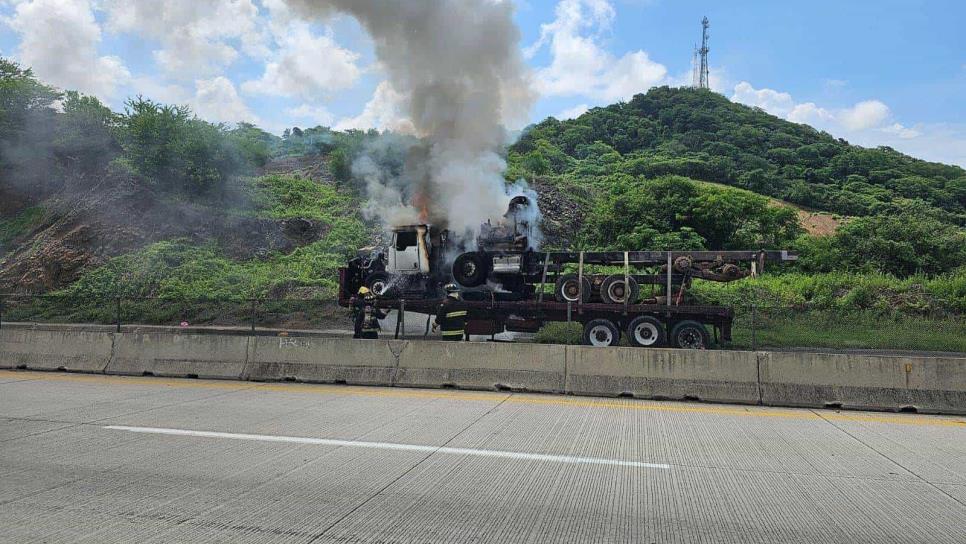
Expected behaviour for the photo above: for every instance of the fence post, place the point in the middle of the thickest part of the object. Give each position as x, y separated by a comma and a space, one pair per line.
254, 302
117, 314
754, 327
1, 311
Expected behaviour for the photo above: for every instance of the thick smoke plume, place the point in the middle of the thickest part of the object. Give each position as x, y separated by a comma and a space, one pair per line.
457, 66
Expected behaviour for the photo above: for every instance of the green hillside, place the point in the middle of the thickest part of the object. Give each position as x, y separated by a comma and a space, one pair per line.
906, 216
702, 135
154, 202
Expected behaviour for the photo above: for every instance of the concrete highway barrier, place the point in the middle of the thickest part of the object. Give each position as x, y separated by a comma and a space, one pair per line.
718, 376
501, 366
879, 382
925, 384
59, 349
325, 360
178, 355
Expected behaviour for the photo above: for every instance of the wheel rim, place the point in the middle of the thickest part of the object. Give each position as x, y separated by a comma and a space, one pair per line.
690, 338
379, 287
570, 291
646, 334
601, 335
616, 291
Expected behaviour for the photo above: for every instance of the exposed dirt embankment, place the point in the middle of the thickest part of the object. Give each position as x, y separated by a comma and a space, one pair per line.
82, 229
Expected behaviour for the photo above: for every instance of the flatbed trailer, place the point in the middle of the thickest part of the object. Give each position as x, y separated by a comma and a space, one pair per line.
645, 325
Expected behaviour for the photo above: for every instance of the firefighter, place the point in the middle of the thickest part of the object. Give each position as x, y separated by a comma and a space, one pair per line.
366, 315
451, 315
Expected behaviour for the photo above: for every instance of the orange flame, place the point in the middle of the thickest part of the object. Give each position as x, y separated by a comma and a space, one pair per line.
421, 202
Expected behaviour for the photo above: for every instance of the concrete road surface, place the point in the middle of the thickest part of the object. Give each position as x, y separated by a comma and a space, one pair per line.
112, 459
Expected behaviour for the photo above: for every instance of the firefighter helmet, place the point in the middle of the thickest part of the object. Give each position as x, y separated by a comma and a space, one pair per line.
452, 290
364, 290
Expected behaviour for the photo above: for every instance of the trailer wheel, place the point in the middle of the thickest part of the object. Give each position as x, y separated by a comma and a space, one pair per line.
690, 335
567, 289
381, 284
646, 332
470, 270
613, 290
601, 333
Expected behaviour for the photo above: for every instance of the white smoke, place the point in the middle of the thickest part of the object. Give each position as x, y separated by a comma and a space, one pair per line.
457, 67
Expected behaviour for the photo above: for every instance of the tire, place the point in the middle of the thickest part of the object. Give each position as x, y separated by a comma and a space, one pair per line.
613, 289
382, 284
690, 335
646, 332
601, 333
470, 270
567, 289
683, 264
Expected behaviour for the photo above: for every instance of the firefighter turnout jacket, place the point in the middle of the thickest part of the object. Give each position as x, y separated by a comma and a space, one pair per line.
451, 318
366, 318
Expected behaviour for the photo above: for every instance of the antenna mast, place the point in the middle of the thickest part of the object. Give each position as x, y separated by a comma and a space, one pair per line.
695, 69
704, 75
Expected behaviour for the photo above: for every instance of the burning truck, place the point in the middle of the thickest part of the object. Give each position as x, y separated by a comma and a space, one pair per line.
505, 265
503, 278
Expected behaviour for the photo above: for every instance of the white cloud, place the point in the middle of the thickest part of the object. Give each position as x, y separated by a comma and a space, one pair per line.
580, 66
869, 123
306, 66
835, 84
384, 111
195, 36
863, 116
903, 132
60, 39
316, 115
216, 100
774, 102
574, 112
867, 114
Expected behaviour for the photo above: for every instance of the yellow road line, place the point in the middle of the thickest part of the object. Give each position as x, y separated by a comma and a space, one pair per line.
530, 399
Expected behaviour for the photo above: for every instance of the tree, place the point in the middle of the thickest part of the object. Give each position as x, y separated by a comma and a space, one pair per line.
87, 130
21, 96
176, 150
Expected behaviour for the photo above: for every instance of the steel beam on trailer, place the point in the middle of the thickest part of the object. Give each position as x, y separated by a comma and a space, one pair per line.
627, 282
659, 257
543, 280
669, 271
580, 284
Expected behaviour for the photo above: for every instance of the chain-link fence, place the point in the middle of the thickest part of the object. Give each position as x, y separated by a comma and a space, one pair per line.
755, 326
763, 327
311, 314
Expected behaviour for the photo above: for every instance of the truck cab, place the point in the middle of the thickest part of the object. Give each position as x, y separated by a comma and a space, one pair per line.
409, 250
410, 265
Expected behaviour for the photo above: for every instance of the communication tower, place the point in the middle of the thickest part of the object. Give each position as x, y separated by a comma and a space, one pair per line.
700, 78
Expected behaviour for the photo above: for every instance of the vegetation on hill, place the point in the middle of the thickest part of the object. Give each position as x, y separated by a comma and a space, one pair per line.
646, 160
672, 168
702, 135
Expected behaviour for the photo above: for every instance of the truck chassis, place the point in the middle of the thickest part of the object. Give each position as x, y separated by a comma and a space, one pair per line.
604, 324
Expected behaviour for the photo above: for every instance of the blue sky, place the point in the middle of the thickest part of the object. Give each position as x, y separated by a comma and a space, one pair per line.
874, 72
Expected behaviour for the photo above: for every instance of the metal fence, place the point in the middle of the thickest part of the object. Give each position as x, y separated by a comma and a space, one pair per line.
756, 326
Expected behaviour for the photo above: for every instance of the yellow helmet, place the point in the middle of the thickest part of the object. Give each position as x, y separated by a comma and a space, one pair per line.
364, 290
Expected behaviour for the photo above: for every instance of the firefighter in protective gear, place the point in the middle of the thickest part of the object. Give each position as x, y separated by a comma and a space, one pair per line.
365, 315
451, 315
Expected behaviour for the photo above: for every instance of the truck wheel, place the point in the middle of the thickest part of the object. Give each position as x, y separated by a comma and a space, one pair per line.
381, 284
470, 270
567, 289
690, 335
601, 333
613, 290
646, 332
